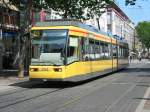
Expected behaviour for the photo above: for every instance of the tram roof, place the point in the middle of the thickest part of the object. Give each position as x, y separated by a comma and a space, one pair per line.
75, 23
72, 23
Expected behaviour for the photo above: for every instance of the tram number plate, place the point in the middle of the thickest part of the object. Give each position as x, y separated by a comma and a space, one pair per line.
44, 69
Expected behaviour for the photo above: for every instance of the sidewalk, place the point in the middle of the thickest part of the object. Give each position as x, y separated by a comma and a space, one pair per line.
144, 105
142, 61
9, 77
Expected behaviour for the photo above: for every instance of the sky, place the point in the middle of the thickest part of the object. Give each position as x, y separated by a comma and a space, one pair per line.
138, 12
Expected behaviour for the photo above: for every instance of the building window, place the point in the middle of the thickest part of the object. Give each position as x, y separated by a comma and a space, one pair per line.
109, 22
109, 27
109, 18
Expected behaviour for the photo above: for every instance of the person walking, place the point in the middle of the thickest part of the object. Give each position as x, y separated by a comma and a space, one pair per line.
139, 57
130, 58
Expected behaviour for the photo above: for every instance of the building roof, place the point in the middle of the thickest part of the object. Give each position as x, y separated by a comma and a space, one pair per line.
119, 10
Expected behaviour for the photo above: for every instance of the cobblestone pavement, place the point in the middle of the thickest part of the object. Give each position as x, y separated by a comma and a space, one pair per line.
7, 78
144, 105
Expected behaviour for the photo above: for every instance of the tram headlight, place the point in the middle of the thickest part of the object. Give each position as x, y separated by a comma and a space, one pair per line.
33, 69
57, 69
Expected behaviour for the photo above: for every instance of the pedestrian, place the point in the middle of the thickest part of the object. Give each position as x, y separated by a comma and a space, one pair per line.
139, 57
130, 58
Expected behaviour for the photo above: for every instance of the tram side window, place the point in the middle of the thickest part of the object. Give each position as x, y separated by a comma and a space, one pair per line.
119, 51
114, 51
85, 49
97, 50
122, 52
106, 49
92, 49
109, 51
72, 50
123, 49
125, 52
103, 50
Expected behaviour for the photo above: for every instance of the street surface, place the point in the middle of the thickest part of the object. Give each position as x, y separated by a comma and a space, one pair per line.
124, 91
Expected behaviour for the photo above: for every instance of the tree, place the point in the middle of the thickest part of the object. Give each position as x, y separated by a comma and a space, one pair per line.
72, 9
78, 9
130, 2
143, 33
24, 7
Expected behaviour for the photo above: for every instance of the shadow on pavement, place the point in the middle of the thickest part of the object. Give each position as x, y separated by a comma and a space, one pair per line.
54, 84
129, 70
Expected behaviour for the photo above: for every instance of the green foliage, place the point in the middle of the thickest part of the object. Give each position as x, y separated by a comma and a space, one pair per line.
130, 2
74, 9
66, 8
15, 2
143, 32
35, 3
78, 9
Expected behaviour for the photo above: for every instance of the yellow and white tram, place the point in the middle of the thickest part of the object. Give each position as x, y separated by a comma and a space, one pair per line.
73, 51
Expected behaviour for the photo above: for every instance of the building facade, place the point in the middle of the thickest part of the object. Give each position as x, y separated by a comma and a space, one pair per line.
121, 25
9, 27
114, 21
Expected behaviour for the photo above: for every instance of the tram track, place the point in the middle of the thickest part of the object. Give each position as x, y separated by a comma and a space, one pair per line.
17, 90
30, 98
25, 86
35, 89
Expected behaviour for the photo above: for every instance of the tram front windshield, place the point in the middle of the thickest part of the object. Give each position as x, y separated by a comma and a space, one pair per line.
48, 47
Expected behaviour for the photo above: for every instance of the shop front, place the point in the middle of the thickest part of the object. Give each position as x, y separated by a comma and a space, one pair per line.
9, 48
9, 27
